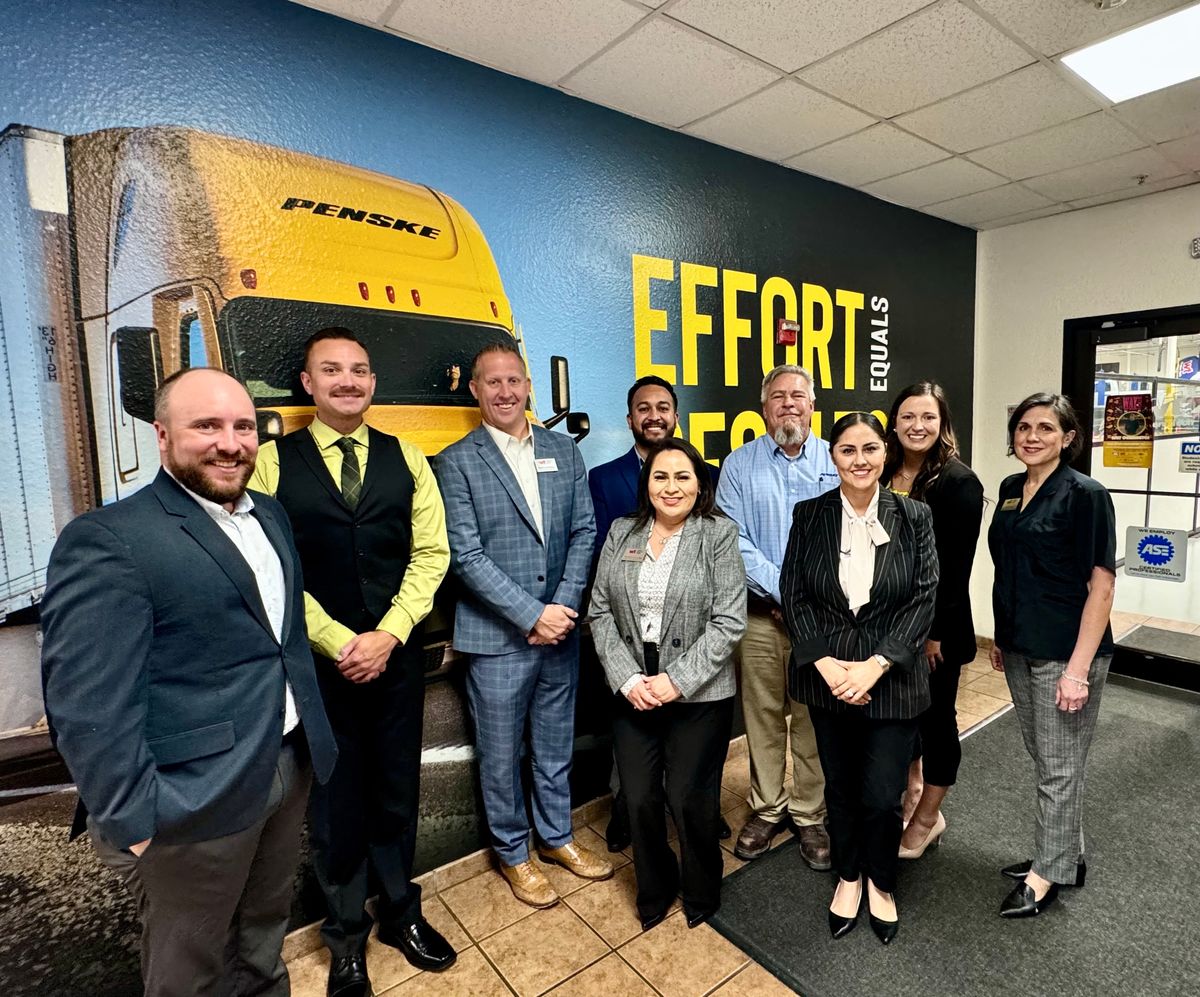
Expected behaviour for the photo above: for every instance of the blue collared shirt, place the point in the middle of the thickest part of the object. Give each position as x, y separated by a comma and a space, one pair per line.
759, 487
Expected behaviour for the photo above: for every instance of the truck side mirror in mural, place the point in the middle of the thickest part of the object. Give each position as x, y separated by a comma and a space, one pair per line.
578, 425
140, 360
560, 385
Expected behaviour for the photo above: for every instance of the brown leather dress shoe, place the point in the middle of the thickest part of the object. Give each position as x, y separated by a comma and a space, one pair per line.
814, 846
755, 837
529, 884
575, 858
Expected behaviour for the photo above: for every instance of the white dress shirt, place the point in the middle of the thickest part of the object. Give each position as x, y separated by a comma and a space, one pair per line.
653, 576
519, 454
856, 563
248, 537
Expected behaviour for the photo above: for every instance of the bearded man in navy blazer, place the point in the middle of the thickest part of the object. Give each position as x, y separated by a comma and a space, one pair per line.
181, 693
521, 531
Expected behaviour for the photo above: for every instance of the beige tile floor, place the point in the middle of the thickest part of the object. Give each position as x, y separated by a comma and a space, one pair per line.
592, 943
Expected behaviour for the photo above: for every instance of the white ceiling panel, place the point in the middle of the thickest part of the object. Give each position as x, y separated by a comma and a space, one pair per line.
529, 38
1054, 26
1130, 192
935, 53
1024, 216
792, 33
1166, 114
668, 73
1184, 151
356, 10
1029, 99
1083, 140
781, 121
939, 182
880, 151
1110, 174
999, 202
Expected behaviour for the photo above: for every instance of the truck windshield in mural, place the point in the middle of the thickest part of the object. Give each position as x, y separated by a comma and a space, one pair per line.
137, 252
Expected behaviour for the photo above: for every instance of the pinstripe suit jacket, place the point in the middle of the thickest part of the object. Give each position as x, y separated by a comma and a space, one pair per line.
509, 574
704, 614
893, 623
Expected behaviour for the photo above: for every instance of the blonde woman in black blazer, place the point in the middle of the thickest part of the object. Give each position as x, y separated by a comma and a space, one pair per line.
858, 584
668, 608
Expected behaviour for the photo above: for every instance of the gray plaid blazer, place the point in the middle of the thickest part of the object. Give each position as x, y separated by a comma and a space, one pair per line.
895, 621
704, 615
508, 573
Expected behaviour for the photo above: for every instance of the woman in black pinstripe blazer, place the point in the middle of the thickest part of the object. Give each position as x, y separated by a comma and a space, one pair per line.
858, 583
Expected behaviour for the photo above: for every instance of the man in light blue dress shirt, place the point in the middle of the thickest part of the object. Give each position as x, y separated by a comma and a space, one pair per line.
760, 484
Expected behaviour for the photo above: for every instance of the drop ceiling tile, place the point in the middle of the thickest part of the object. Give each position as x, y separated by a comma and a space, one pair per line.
1184, 151
541, 40
1130, 192
939, 182
792, 33
1165, 114
1109, 174
1083, 140
1054, 26
781, 121
1024, 216
936, 52
999, 202
670, 74
356, 10
1022, 102
879, 151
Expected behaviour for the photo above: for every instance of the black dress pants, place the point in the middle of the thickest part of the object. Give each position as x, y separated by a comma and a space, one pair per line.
682, 745
365, 818
866, 771
938, 744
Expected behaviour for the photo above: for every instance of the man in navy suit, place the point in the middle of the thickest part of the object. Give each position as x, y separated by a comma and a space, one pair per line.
521, 531
181, 694
653, 416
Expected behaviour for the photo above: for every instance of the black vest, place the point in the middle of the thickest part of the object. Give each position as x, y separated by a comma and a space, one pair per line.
353, 560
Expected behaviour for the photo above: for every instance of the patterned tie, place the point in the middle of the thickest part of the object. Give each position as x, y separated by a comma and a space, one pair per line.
351, 477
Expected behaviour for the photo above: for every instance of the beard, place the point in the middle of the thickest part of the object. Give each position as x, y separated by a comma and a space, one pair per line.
192, 476
790, 433
647, 442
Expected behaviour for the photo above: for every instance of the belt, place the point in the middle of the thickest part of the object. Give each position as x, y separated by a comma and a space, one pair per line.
756, 603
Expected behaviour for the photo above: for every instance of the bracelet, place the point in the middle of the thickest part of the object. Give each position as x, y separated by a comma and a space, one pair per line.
1072, 678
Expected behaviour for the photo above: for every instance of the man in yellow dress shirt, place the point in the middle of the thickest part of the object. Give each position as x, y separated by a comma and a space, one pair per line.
371, 532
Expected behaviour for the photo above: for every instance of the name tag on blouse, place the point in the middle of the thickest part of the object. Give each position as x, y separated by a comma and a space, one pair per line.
1009, 504
544, 464
634, 554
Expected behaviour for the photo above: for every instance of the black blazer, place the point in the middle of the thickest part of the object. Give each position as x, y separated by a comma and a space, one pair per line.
163, 680
893, 623
956, 500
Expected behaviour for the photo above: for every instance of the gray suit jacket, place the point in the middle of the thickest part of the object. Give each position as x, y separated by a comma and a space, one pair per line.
509, 573
703, 619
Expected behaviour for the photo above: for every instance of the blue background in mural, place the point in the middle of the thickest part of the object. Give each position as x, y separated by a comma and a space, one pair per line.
564, 191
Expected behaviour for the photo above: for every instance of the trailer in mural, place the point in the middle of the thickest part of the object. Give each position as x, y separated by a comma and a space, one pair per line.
132, 253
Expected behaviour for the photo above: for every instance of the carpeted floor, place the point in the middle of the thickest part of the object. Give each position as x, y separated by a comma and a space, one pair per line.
1133, 930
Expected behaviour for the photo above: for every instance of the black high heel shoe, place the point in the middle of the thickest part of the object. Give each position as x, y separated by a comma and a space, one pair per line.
1020, 870
1022, 902
885, 931
840, 926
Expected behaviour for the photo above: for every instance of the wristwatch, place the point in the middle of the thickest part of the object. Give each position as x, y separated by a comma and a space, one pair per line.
883, 662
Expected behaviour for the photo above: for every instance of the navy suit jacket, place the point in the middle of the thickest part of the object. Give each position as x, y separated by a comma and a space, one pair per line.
509, 573
163, 680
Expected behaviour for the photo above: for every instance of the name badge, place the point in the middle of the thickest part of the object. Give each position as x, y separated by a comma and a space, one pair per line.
544, 464
1009, 504
634, 554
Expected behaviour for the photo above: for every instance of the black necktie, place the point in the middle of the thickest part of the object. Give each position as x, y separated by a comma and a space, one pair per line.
351, 477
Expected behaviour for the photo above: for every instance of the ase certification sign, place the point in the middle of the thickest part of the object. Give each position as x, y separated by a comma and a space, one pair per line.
1151, 553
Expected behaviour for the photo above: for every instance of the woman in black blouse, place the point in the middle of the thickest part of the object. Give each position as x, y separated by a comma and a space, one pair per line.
1053, 540
922, 462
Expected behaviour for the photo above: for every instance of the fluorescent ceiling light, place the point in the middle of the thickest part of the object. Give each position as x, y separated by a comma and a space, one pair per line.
1144, 59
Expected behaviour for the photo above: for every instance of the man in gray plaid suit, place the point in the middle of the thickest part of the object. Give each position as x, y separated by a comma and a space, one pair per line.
519, 517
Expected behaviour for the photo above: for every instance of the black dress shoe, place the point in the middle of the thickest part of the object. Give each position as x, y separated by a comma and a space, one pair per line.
617, 835
885, 931
348, 976
1021, 869
421, 943
695, 920
723, 831
840, 926
653, 920
1022, 903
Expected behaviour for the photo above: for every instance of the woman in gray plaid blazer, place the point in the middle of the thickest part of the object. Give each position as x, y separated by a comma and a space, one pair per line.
668, 607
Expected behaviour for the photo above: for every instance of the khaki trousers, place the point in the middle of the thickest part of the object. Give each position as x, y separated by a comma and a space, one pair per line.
762, 661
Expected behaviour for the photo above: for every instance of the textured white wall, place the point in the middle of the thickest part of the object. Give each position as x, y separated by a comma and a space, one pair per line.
1030, 278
